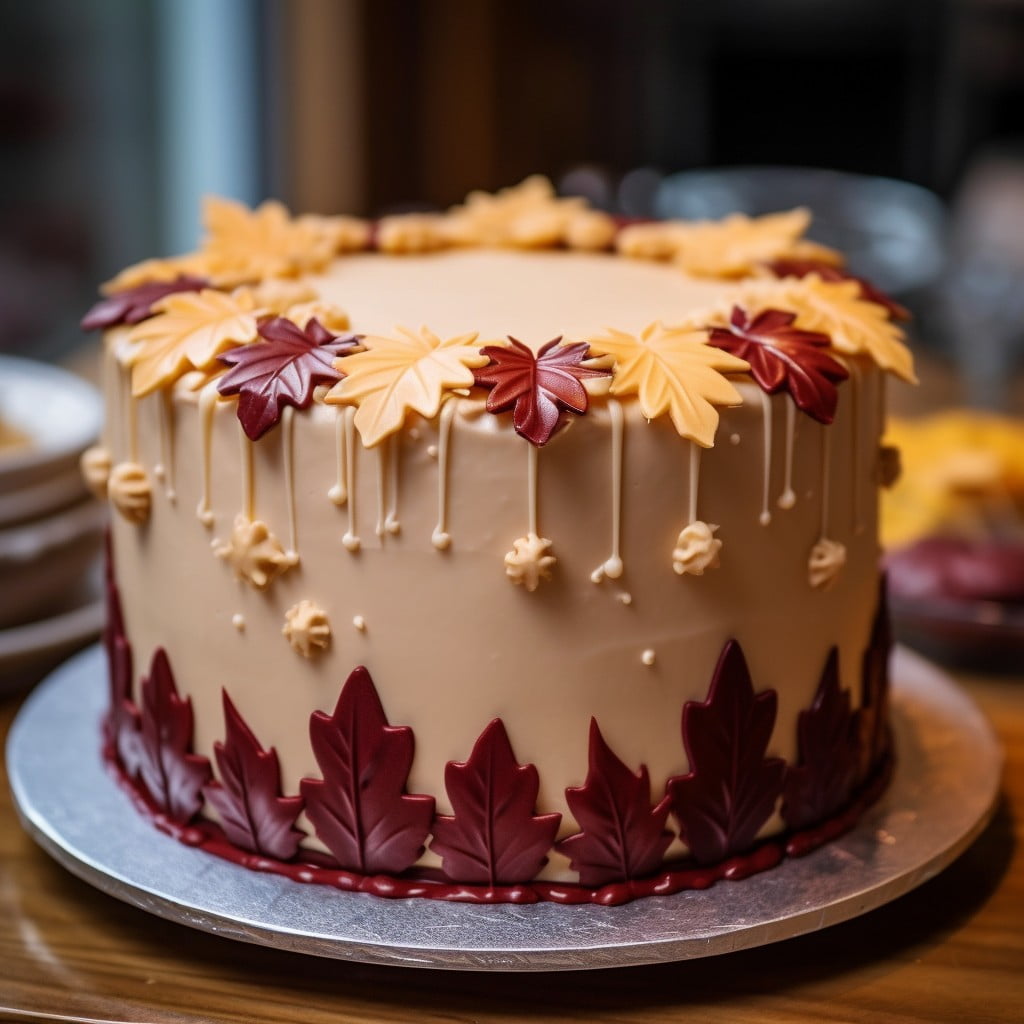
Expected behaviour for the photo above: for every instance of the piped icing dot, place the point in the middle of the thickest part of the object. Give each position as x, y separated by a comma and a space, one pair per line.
648, 657
129, 490
238, 621
529, 561
734, 439
787, 499
307, 629
360, 623
696, 549
441, 539
825, 563
625, 598
432, 451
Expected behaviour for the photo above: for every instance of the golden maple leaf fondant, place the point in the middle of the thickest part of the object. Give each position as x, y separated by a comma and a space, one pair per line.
149, 271
836, 308
395, 376
673, 370
188, 333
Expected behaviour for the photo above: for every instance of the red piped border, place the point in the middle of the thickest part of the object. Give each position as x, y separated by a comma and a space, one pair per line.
207, 836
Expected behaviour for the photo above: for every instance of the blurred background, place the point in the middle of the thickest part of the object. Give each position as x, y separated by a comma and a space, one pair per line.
899, 122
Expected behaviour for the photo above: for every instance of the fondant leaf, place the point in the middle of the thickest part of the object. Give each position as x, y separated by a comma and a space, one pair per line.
541, 387
133, 305
874, 700
247, 797
283, 369
172, 775
783, 357
494, 837
623, 836
360, 809
121, 725
732, 787
828, 747
794, 267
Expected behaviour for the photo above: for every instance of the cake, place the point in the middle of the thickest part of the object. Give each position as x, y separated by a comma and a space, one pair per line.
507, 553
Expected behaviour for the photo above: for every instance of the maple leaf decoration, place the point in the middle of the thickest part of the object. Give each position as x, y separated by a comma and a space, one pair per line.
133, 305
189, 332
395, 376
281, 370
874, 701
785, 358
360, 809
120, 728
622, 836
172, 775
673, 370
494, 837
541, 387
253, 813
732, 787
827, 272
828, 744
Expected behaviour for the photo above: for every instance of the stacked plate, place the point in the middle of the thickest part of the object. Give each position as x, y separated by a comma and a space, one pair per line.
51, 529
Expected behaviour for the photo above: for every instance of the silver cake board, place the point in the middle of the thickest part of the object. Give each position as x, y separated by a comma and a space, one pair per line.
942, 795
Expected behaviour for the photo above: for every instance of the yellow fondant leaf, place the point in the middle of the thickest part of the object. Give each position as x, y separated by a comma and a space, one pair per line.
673, 370
395, 376
149, 271
835, 308
188, 333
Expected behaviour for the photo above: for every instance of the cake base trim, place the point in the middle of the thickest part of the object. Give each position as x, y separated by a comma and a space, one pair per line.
207, 836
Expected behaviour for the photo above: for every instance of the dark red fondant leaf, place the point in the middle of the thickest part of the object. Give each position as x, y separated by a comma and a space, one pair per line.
360, 810
874, 699
172, 775
248, 797
283, 369
622, 836
494, 837
785, 358
541, 387
801, 268
828, 745
132, 305
732, 787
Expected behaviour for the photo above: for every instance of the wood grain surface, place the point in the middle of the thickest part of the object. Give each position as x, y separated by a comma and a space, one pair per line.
953, 950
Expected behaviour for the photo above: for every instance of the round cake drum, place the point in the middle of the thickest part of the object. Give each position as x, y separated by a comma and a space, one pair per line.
942, 795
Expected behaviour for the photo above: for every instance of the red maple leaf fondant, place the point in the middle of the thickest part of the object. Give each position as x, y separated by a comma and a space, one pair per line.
542, 387
785, 358
360, 809
281, 370
622, 836
828, 745
247, 797
133, 305
801, 268
494, 837
732, 787
172, 775
874, 700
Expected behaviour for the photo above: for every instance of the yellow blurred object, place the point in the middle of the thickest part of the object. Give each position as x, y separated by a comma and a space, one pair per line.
963, 473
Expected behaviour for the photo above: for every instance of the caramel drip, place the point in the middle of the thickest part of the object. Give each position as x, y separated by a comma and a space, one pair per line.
131, 416
350, 538
382, 457
288, 447
441, 538
391, 523
694, 480
787, 499
531, 487
166, 414
853, 388
339, 493
766, 406
248, 484
612, 567
207, 404
825, 472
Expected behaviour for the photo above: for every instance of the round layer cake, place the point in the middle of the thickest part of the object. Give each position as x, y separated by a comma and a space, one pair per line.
503, 554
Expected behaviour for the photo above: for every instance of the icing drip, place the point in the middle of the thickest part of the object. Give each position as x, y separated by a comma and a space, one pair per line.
391, 523
530, 559
787, 499
825, 472
133, 418
248, 487
338, 493
694, 480
766, 405
288, 444
382, 455
167, 442
853, 388
207, 403
351, 538
440, 537
612, 567
531, 488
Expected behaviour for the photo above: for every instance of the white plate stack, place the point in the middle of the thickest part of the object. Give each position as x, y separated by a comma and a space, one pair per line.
51, 528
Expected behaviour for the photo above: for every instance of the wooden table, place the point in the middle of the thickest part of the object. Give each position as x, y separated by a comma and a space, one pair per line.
953, 950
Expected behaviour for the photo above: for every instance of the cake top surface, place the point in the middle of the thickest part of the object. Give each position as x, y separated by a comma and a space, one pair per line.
532, 295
